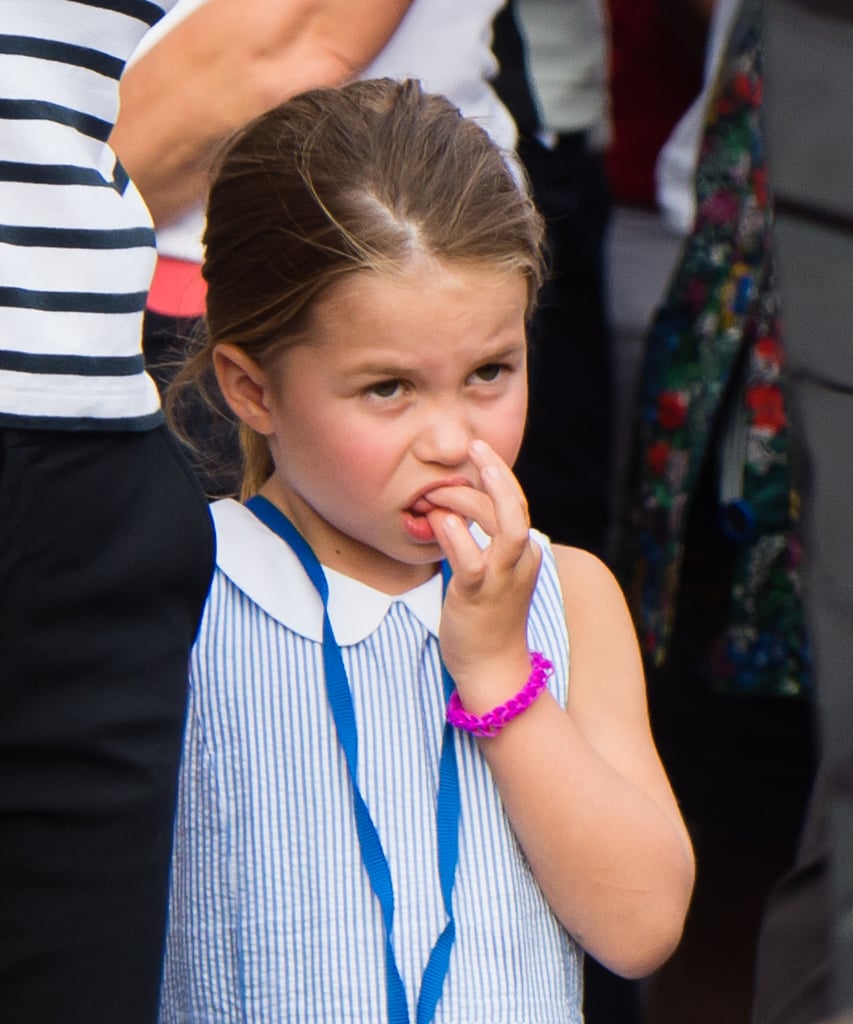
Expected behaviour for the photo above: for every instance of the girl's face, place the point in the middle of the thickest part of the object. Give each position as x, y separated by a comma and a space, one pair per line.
400, 373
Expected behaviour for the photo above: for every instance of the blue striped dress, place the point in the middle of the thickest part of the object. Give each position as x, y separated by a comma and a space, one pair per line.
272, 917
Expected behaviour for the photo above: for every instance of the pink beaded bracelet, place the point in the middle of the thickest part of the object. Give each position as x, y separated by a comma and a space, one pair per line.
491, 723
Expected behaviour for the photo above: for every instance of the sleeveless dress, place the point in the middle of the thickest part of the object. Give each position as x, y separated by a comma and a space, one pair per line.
272, 916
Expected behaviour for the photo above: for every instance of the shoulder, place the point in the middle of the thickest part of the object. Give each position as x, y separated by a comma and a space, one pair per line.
584, 579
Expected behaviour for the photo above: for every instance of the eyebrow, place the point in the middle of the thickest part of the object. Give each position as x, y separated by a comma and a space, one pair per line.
387, 369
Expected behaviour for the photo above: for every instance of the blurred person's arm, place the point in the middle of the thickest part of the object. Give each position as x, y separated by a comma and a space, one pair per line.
225, 63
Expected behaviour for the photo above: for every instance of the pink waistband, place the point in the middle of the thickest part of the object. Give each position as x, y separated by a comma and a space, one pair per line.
178, 289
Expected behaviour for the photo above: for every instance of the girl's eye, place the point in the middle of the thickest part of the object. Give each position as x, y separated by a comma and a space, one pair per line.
490, 372
386, 388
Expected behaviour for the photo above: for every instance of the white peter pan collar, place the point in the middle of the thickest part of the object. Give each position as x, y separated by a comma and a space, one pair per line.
265, 568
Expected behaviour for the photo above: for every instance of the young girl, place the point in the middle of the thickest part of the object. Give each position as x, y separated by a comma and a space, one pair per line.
400, 801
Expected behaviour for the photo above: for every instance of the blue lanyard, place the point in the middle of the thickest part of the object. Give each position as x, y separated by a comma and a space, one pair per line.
372, 854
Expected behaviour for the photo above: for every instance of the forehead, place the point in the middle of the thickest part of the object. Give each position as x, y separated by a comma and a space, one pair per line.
423, 307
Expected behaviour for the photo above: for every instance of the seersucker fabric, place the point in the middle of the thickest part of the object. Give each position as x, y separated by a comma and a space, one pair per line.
272, 917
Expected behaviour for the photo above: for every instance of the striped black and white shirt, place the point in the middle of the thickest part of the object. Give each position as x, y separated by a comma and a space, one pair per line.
76, 240
272, 917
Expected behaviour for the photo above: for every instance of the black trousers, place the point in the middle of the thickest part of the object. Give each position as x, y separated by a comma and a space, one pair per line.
565, 461
106, 552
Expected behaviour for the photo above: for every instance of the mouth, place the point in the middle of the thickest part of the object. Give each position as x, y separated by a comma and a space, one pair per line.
421, 505
416, 523
415, 514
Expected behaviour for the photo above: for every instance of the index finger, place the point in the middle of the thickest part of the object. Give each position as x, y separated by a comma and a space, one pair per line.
510, 505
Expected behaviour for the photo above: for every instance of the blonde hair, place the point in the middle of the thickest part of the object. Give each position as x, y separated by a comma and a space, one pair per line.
363, 177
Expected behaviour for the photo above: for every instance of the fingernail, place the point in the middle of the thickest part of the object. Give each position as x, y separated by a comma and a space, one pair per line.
478, 447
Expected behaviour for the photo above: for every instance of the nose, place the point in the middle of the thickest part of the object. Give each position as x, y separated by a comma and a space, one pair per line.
444, 435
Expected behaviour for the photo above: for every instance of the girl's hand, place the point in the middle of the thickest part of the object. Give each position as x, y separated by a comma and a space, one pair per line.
483, 632
624, 900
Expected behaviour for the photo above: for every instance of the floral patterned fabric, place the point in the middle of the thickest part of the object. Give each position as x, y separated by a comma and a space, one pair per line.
712, 400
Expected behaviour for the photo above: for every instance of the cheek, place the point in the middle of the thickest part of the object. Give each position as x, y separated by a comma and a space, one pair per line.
504, 430
366, 455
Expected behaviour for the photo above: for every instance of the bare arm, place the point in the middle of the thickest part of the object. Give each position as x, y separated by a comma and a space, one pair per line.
224, 64
583, 786
604, 836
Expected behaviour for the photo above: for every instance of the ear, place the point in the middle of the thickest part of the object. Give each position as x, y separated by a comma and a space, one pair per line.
244, 385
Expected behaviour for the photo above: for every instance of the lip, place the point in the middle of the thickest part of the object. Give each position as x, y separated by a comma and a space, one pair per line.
415, 517
420, 505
